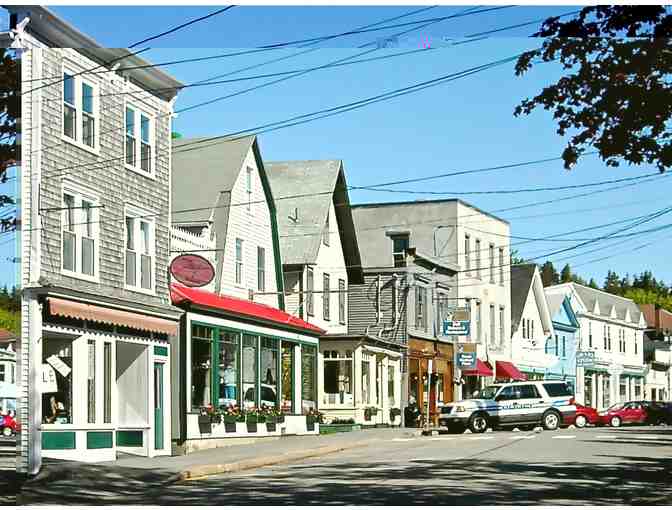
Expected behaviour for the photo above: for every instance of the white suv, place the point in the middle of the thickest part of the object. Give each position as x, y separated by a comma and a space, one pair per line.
507, 405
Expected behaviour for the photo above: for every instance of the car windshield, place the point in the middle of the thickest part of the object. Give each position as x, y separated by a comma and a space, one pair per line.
487, 393
616, 407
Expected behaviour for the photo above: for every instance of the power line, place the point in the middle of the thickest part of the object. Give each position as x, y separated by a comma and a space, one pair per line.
183, 25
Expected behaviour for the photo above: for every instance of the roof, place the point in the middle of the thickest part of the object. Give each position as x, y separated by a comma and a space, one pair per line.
554, 302
58, 33
313, 186
434, 261
241, 307
7, 336
605, 301
521, 281
201, 173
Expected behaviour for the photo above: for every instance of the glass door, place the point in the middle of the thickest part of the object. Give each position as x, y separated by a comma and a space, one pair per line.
158, 406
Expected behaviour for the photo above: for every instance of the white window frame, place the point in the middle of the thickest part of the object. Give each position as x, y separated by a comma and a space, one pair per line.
326, 234
136, 167
79, 79
261, 269
80, 194
310, 288
342, 307
239, 263
249, 187
467, 254
478, 258
139, 216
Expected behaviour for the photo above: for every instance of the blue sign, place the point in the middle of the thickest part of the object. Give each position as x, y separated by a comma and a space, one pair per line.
585, 358
466, 360
457, 328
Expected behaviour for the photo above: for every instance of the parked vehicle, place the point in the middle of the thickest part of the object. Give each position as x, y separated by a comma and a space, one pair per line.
624, 413
658, 413
518, 404
586, 416
9, 426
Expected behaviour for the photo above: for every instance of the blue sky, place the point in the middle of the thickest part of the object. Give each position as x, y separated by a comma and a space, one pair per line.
462, 125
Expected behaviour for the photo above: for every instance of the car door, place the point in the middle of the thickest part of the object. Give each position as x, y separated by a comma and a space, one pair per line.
505, 398
628, 413
638, 413
532, 404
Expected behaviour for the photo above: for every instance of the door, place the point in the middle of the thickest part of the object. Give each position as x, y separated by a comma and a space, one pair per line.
158, 406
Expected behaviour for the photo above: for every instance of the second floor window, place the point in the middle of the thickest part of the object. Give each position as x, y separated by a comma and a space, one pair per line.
400, 244
261, 269
326, 296
79, 109
79, 233
493, 338
421, 308
501, 266
239, 262
590, 334
139, 252
501, 325
467, 254
248, 188
341, 301
478, 258
310, 288
492, 263
139, 145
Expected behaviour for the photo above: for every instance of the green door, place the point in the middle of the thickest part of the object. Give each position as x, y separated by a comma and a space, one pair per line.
158, 406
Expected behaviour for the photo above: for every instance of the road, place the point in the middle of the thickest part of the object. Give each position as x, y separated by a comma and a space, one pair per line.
602, 466
8, 485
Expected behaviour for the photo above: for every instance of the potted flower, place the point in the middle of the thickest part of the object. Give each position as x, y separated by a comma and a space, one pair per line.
252, 418
232, 415
206, 417
394, 412
313, 416
370, 412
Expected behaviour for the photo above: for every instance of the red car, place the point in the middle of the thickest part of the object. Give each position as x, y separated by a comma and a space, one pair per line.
586, 416
9, 426
620, 414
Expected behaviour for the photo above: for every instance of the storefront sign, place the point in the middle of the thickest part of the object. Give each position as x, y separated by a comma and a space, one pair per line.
48, 383
456, 322
192, 270
59, 365
466, 360
585, 358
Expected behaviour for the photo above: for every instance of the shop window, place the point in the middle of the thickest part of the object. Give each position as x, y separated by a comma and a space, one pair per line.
91, 382
201, 363
606, 389
287, 365
107, 382
57, 380
623, 384
269, 372
366, 382
338, 377
588, 389
390, 386
308, 379
228, 367
414, 380
249, 370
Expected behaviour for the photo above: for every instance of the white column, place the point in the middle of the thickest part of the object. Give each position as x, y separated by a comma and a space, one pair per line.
599, 400
297, 379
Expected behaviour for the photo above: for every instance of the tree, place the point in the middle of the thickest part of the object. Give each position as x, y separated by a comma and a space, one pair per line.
612, 282
516, 258
9, 113
566, 274
616, 94
549, 276
593, 284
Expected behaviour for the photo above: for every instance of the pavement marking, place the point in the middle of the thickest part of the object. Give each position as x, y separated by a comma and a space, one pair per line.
441, 438
403, 439
478, 438
606, 437
523, 437
646, 437
563, 437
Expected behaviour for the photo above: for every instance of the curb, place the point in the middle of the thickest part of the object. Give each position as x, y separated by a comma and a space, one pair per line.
233, 467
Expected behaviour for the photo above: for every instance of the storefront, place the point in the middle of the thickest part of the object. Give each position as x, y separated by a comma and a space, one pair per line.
104, 382
360, 380
603, 386
240, 354
474, 378
430, 385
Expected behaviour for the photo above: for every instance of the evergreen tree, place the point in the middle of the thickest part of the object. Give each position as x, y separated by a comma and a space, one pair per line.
566, 274
611, 282
549, 276
593, 284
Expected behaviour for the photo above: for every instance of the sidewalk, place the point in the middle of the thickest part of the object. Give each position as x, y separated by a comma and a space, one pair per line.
134, 480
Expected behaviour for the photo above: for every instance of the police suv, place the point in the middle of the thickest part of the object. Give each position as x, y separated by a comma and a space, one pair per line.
519, 404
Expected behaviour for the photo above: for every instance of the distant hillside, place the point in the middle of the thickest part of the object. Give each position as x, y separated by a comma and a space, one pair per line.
10, 320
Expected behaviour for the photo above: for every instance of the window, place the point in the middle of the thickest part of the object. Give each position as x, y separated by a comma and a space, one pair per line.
492, 263
326, 233
308, 379
635, 341
478, 258
391, 402
338, 377
239, 261
139, 140
623, 384
80, 110
261, 269
248, 187
139, 252
501, 266
287, 368
588, 389
590, 334
564, 345
638, 387
201, 363
556, 345
269, 372
400, 244
3, 375
227, 366
606, 399
525, 328
79, 231
501, 326
57, 367
493, 338
528, 391
310, 288
507, 393
366, 382
107, 382
559, 389
604, 331
478, 321
91, 382
249, 370
532, 325
326, 296
467, 253
341, 301
421, 308
609, 337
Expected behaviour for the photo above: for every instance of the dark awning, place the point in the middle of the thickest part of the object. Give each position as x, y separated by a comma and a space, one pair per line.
481, 370
507, 370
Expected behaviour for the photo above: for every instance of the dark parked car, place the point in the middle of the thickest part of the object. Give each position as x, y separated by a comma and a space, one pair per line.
658, 413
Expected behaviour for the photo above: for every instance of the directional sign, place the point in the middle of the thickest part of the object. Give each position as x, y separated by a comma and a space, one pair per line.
585, 358
466, 360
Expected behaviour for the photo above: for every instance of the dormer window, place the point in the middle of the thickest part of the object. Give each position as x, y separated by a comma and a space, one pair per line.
325, 234
400, 244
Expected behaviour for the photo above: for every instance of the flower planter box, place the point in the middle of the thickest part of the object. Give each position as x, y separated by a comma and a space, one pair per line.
204, 419
270, 426
310, 423
252, 426
230, 426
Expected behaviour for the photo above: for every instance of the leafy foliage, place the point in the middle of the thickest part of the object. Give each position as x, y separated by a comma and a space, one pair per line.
9, 113
616, 95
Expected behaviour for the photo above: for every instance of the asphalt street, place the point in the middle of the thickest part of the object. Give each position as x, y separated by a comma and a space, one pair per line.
593, 466
8, 478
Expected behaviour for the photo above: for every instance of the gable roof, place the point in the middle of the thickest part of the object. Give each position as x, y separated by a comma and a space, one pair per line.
599, 302
521, 282
303, 192
554, 302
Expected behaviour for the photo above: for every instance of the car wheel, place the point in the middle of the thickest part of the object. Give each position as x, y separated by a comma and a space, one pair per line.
6, 431
615, 421
581, 421
551, 420
478, 423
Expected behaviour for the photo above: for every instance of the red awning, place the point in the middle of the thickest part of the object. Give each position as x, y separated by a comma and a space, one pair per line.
75, 310
507, 370
482, 369
180, 294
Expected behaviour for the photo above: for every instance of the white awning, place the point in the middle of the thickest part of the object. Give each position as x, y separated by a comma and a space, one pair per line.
381, 350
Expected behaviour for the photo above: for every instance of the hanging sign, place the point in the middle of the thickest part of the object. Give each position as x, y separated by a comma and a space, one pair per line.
456, 322
192, 270
48, 383
59, 365
466, 360
585, 358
